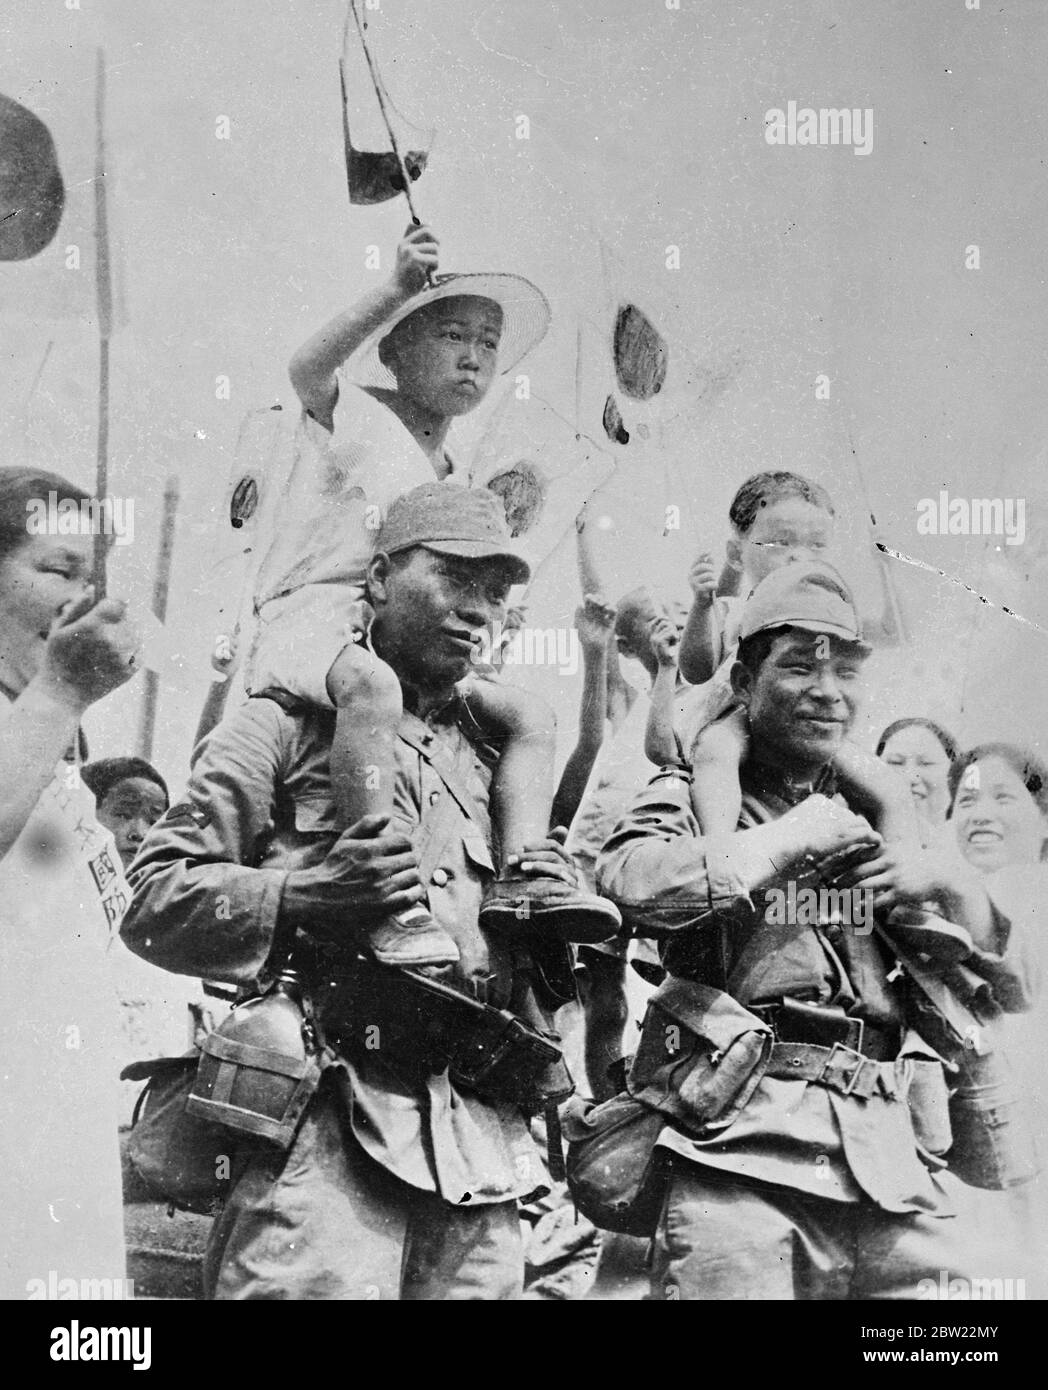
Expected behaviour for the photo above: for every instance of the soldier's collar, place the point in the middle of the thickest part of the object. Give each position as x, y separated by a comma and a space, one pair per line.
446, 711
768, 780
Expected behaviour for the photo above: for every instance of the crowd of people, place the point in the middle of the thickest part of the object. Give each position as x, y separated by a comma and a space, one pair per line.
374, 832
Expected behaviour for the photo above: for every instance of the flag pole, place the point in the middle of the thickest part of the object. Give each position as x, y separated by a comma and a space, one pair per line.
380, 96
161, 585
104, 302
381, 106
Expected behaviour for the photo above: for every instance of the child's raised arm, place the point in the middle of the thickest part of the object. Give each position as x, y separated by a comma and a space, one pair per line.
312, 368
620, 694
593, 622
660, 742
700, 644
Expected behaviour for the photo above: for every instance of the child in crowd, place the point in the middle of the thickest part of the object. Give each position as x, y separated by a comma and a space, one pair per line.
130, 797
425, 350
777, 518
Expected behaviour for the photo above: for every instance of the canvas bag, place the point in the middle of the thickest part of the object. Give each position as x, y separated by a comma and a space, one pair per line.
188, 1162
701, 1056
615, 1172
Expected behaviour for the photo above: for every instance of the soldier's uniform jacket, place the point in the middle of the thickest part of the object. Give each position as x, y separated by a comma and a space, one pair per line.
208, 884
792, 1134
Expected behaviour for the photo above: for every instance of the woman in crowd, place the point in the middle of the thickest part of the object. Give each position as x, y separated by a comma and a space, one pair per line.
62, 894
999, 808
999, 814
923, 752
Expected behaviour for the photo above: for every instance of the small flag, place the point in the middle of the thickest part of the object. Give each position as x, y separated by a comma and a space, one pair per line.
640, 353
32, 194
373, 170
57, 283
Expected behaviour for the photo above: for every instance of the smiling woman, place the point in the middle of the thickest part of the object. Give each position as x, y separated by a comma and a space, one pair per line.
924, 753
62, 893
999, 812
1000, 806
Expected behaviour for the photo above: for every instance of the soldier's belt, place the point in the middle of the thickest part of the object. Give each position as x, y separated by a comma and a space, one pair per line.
843, 1070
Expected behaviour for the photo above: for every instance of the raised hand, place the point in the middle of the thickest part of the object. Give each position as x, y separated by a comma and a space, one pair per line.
91, 650
594, 622
703, 578
665, 641
417, 255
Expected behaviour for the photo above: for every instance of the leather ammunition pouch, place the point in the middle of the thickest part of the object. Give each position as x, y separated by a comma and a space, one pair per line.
794, 1020
701, 1056
424, 1025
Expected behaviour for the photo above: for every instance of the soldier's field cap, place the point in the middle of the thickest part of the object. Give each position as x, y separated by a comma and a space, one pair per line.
452, 520
811, 595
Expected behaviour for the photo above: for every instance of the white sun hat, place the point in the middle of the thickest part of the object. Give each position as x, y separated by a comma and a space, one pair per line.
525, 321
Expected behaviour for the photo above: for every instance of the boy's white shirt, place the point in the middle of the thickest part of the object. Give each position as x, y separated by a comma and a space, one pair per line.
338, 493
309, 588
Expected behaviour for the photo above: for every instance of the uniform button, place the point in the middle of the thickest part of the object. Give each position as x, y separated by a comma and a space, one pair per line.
440, 877
434, 797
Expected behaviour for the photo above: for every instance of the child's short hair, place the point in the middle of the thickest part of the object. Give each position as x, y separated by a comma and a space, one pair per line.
630, 625
764, 488
103, 775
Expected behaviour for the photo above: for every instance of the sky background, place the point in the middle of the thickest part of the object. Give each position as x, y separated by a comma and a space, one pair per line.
646, 131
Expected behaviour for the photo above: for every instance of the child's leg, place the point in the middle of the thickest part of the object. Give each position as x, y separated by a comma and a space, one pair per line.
524, 729
366, 695
716, 756
368, 703
522, 786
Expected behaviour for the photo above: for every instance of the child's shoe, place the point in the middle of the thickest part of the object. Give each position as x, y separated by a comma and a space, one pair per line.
513, 904
411, 939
